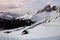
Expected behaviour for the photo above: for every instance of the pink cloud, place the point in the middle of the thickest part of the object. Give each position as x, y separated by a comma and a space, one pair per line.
11, 4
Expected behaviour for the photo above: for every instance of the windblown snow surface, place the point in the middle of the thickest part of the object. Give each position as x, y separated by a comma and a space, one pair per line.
44, 31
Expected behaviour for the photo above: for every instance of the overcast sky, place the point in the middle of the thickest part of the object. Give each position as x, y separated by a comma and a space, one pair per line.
10, 4
25, 5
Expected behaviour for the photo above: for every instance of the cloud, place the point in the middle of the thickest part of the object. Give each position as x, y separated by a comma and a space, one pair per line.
11, 4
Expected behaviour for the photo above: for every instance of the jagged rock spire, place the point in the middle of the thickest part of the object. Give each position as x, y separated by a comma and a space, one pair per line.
48, 8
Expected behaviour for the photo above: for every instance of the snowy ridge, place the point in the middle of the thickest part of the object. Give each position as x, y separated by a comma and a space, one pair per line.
41, 17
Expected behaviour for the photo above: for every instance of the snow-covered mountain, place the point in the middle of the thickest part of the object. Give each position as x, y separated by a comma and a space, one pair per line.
9, 15
42, 30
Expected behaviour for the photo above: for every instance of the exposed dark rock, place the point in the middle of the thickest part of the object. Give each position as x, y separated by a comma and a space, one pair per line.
6, 24
40, 11
54, 8
48, 8
49, 21
24, 32
56, 17
7, 32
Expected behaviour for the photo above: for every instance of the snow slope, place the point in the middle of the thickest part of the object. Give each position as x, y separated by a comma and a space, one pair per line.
39, 32
46, 30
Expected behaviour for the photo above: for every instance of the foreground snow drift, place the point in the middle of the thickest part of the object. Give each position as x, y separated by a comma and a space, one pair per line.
40, 31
